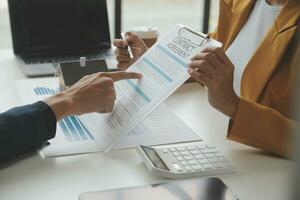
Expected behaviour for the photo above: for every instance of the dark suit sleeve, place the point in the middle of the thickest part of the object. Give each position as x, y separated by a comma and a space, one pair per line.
24, 129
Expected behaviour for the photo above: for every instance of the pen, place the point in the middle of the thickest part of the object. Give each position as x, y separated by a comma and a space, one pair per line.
127, 46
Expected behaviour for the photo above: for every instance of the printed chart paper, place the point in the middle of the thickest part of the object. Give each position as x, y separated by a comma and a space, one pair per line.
164, 69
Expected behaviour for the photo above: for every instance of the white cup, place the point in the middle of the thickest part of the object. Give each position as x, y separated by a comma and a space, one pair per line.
147, 33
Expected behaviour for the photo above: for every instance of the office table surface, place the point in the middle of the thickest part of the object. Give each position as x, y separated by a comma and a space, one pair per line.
259, 175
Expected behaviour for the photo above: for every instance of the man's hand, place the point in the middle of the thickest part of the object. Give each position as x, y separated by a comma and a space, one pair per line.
213, 69
137, 46
93, 93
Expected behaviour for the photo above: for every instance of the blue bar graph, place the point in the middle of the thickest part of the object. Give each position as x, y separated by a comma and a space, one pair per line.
48, 91
171, 55
44, 91
40, 91
65, 130
158, 70
72, 129
36, 91
139, 91
71, 126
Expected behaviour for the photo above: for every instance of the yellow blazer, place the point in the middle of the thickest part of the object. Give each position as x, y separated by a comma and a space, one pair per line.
264, 118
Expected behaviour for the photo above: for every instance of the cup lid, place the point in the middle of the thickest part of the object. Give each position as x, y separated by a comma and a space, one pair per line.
146, 32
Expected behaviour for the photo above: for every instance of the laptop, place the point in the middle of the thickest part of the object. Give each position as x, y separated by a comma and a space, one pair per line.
46, 32
188, 189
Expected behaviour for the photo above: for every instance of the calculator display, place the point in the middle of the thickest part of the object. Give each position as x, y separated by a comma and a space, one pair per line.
154, 157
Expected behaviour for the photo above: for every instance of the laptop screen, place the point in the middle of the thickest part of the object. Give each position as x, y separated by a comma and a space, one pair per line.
59, 27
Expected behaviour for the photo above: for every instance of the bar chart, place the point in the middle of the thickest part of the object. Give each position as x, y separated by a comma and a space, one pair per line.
71, 126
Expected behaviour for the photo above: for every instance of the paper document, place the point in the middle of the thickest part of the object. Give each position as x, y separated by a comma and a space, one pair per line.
164, 69
71, 136
160, 127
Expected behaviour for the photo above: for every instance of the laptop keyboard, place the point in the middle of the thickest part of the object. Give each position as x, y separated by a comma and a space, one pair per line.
58, 59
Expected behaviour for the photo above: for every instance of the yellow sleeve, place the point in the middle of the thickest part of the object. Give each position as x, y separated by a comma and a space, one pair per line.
213, 35
262, 127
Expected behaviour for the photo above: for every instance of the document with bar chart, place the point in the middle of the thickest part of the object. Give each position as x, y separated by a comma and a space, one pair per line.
71, 136
160, 127
164, 68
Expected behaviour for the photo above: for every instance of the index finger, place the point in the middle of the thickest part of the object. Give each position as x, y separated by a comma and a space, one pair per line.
118, 76
131, 37
120, 43
219, 52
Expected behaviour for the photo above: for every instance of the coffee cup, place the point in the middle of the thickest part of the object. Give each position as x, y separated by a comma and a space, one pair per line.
147, 33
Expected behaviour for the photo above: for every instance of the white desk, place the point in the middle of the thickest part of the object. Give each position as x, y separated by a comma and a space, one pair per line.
259, 176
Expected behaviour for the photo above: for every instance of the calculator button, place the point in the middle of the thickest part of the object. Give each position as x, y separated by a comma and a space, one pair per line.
195, 152
200, 156
172, 149
217, 165
184, 153
175, 153
201, 146
192, 162
209, 155
180, 148
191, 148
196, 167
210, 146
219, 155
214, 150
165, 151
189, 157
203, 161
212, 160
183, 163
187, 168
179, 158
207, 166
204, 151
177, 167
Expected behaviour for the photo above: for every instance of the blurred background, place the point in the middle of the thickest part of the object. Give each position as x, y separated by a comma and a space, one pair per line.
126, 14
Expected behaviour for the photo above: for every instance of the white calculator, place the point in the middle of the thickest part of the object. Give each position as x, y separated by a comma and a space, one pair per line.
183, 160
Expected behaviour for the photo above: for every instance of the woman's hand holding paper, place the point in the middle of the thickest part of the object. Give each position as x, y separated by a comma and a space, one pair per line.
213, 69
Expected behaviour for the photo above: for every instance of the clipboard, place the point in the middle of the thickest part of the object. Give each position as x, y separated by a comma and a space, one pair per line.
188, 33
196, 37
